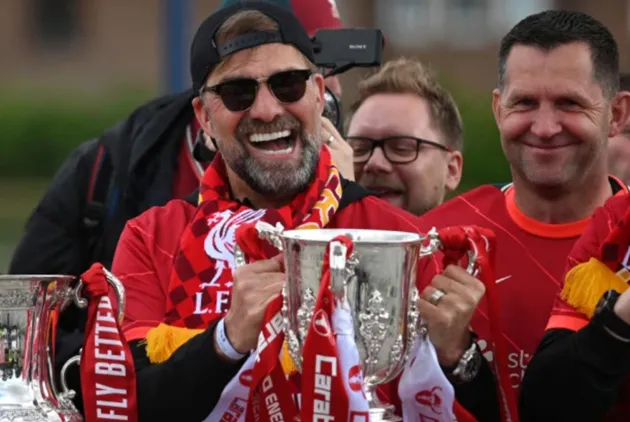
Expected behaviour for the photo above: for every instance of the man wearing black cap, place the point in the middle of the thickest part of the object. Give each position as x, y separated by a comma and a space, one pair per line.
191, 317
150, 157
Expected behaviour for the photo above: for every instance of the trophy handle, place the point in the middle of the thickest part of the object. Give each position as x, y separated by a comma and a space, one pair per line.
66, 392
266, 232
436, 244
119, 289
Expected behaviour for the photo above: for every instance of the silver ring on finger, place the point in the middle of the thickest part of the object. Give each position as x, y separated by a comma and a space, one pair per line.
436, 296
330, 140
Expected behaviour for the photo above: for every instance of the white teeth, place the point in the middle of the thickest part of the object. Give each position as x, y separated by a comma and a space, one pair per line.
265, 137
280, 151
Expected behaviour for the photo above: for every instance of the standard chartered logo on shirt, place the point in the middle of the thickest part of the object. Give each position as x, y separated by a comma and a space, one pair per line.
517, 362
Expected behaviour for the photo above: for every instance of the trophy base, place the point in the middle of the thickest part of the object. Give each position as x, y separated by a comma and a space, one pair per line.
379, 411
11, 414
383, 414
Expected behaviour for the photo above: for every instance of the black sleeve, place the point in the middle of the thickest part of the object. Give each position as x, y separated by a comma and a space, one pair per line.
574, 375
52, 241
480, 395
187, 386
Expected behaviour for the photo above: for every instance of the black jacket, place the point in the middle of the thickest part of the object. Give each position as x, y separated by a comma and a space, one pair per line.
66, 233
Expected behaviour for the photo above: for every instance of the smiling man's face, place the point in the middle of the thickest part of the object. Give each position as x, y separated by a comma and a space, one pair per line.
417, 186
273, 146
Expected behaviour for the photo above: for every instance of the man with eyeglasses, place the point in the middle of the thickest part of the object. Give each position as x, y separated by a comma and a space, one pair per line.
406, 135
192, 318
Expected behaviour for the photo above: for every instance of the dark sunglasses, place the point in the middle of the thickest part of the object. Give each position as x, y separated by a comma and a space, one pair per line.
239, 94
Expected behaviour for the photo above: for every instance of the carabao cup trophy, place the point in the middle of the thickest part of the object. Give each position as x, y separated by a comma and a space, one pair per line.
29, 308
378, 281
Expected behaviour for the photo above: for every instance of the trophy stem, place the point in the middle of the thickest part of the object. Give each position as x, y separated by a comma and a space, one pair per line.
379, 411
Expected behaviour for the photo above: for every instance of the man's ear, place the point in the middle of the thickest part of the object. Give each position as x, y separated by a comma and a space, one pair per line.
620, 113
454, 167
320, 87
496, 105
202, 116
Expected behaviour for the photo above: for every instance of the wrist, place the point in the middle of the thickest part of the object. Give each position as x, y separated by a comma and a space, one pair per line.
450, 358
232, 336
622, 314
467, 368
223, 344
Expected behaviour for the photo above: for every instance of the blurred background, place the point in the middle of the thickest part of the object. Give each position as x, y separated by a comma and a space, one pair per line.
70, 68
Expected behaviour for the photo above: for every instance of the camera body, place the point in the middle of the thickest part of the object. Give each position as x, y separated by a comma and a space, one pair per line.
339, 50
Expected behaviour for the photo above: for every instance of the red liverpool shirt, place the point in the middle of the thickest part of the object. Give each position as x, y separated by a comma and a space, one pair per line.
530, 263
143, 259
149, 242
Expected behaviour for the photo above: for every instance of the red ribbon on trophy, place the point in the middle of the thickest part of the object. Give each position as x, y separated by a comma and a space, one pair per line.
270, 394
324, 394
108, 377
456, 243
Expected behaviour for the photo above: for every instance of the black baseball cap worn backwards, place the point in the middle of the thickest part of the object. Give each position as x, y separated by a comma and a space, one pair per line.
206, 53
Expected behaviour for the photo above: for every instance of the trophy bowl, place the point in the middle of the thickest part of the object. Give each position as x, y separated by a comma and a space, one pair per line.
378, 285
29, 307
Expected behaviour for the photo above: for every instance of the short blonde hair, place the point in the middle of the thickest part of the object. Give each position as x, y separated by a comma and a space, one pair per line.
410, 76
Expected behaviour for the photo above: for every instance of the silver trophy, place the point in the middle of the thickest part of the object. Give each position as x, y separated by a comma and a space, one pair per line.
377, 282
29, 307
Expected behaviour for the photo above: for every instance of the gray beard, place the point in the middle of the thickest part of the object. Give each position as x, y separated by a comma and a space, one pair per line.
279, 180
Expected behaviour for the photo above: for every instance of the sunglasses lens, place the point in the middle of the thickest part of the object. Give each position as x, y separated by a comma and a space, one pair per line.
289, 86
238, 95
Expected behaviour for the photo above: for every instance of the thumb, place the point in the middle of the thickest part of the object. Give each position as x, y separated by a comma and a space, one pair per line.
280, 260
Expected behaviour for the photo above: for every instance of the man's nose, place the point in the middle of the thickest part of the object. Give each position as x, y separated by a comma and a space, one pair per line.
546, 123
266, 106
378, 163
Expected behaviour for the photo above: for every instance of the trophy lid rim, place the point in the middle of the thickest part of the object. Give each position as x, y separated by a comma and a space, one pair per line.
36, 277
405, 238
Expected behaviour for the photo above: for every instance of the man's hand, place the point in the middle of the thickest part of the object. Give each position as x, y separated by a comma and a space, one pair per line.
340, 150
448, 313
255, 286
622, 307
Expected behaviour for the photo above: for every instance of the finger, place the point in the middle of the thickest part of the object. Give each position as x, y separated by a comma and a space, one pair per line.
452, 287
428, 292
272, 282
264, 303
263, 266
280, 259
253, 284
326, 123
328, 129
428, 311
460, 276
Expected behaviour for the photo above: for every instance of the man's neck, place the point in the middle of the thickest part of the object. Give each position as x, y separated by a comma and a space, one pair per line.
562, 206
243, 193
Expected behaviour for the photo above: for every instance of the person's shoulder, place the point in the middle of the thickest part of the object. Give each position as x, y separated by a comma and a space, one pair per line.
481, 200
371, 212
480, 196
615, 207
169, 217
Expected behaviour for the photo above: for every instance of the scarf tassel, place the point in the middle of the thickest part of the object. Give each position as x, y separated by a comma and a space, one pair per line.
163, 340
587, 282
